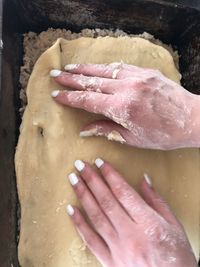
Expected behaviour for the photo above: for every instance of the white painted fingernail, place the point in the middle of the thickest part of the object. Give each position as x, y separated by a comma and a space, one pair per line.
99, 162
79, 165
148, 179
55, 73
70, 210
55, 93
73, 179
71, 66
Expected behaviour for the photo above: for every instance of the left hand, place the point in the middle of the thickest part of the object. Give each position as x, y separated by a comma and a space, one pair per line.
145, 109
128, 230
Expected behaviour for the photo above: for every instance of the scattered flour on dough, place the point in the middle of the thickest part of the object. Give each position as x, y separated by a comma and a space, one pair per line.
35, 44
114, 135
80, 256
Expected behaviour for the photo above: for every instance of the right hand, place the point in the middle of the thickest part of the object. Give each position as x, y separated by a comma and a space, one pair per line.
145, 108
126, 230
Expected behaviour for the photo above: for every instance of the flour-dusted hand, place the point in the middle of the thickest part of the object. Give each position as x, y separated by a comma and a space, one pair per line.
127, 230
145, 108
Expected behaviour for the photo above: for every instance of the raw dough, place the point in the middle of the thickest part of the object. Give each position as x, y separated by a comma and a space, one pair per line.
49, 144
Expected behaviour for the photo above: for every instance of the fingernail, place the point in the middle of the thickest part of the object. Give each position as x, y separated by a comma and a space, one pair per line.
148, 179
85, 133
70, 210
90, 132
99, 162
55, 73
71, 66
79, 165
73, 179
55, 93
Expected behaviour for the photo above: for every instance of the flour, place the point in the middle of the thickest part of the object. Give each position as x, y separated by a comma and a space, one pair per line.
51, 157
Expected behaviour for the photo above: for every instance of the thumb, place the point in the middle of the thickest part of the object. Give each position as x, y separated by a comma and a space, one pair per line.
109, 129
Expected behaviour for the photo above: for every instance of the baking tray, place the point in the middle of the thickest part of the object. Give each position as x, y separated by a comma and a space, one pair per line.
174, 22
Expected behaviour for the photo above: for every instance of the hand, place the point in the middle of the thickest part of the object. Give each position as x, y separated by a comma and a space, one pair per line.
127, 230
145, 108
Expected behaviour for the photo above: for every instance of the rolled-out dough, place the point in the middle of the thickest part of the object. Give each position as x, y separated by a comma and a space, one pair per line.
49, 143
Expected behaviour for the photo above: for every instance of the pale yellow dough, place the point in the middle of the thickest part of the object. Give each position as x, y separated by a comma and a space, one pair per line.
49, 144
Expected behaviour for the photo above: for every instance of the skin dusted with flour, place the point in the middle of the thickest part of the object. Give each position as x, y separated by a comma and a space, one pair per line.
127, 230
146, 95
145, 108
47, 235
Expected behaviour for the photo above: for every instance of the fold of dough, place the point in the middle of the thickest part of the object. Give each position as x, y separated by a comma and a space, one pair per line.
49, 143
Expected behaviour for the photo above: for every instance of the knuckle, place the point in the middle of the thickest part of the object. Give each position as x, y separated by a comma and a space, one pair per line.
89, 176
161, 202
118, 191
151, 80
97, 219
92, 83
106, 171
102, 225
105, 71
121, 190
158, 232
129, 82
153, 230
112, 235
81, 191
107, 203
78, 220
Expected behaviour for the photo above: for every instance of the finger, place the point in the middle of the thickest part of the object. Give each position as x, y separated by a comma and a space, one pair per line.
89, 101
156, 202
106, 200
134, 205
135, 69
97, 217
93, 241
112, 131
109, 129
85, 83
113, 71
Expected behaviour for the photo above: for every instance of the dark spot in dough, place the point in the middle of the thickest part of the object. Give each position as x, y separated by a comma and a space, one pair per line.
41, 131
60, 48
